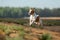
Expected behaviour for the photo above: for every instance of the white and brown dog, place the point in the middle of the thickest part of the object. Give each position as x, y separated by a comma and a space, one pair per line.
34, 18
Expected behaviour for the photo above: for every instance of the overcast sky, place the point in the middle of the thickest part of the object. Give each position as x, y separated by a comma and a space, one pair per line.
31, 3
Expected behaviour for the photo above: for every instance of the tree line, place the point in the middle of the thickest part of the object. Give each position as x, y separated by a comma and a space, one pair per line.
13, 12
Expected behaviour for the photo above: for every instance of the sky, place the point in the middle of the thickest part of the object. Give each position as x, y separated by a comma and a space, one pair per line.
30, 3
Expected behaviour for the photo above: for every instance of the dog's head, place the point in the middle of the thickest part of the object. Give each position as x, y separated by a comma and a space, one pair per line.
31, 11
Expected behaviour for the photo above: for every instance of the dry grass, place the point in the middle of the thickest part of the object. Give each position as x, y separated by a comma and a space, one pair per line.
35, 34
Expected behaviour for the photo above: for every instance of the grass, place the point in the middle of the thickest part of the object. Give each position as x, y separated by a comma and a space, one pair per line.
14, 20
26, 21
51, 22
7, 29
16, 38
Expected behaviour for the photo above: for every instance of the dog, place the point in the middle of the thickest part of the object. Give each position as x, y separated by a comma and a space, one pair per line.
34, 18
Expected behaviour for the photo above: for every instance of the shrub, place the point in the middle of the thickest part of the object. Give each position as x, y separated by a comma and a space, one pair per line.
46, 37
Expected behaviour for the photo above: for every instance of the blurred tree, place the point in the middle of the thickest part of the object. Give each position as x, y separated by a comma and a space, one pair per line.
7, 12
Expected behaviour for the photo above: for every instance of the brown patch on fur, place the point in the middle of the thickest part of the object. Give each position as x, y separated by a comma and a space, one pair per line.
37, 19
